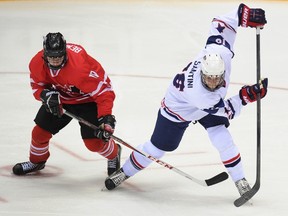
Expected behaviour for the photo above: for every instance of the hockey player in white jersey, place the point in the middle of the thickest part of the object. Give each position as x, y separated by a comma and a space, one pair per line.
198, 94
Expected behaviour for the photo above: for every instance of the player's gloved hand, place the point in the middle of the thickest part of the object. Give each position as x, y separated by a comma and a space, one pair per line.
251, 17
51, 101
106, 127
248, 94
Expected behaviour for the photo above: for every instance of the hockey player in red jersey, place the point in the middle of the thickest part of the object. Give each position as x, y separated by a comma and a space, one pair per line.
65, 76
198, 94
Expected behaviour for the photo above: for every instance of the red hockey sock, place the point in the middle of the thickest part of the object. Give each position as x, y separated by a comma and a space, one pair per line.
39, 148
108, 150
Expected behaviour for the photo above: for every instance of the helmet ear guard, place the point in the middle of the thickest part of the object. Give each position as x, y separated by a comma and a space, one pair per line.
54, 45
213, 67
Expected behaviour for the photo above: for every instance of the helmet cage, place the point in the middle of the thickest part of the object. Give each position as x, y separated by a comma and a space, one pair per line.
206, 79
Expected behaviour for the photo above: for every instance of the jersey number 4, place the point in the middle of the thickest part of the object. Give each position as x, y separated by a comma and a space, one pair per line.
178, 81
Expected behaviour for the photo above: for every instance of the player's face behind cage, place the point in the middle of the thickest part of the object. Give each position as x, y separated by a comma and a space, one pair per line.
55, 61
212, 82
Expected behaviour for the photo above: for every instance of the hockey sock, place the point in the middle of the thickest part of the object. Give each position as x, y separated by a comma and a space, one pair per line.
108, 149
229, 153
39, 148
137, 162
234, 168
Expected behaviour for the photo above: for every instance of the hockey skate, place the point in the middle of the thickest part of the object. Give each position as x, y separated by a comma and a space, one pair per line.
114, 164
242, 186
115, 179
27, 167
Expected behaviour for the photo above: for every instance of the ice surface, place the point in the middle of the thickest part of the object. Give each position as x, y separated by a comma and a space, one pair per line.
141, 45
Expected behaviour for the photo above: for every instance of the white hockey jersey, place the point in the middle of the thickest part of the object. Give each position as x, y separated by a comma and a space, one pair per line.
186, 98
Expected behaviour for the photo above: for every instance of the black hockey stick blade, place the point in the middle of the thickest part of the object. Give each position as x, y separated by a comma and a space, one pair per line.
247, 196
216, 179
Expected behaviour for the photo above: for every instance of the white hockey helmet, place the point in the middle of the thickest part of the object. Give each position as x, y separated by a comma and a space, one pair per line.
212, 71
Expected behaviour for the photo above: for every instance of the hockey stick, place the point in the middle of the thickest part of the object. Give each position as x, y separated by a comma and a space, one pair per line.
208, 182
248, 195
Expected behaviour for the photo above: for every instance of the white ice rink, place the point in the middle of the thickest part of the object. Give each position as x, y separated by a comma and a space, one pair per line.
141, 45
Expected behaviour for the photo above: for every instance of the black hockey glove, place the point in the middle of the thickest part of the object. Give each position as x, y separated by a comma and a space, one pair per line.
251, 17
51, 101
106, 127
248, 94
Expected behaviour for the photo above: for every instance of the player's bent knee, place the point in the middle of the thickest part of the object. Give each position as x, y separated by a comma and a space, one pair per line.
152, 150
94, 145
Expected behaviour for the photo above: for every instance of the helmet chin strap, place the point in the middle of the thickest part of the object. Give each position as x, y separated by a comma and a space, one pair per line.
55, 67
